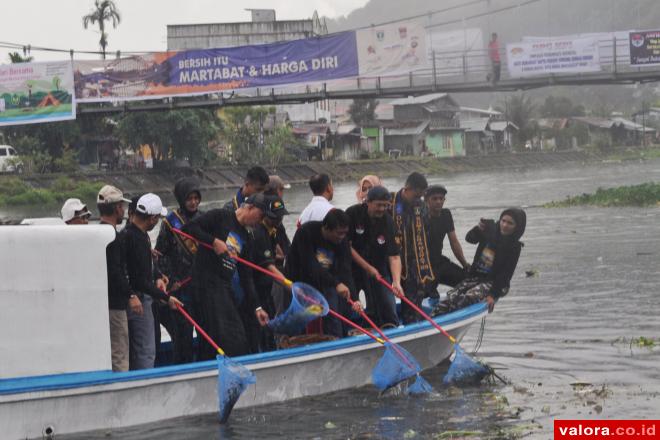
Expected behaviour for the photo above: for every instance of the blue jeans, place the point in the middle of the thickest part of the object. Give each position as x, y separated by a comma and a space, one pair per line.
141, 335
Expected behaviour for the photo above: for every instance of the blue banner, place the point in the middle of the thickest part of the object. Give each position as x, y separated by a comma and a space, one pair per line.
313, 59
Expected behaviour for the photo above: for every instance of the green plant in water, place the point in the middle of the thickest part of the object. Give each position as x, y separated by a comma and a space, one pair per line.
646, 194
643, 342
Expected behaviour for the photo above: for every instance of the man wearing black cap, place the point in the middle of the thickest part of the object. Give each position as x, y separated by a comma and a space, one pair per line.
375, 253
175, 259
266, 242
223, 287
411, 236
440, 223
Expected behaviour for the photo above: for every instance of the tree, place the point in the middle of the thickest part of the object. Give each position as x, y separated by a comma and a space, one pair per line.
560, 107
104, 10
520, 110
363, 111
275, 146
242, 131
180, 134
15, 58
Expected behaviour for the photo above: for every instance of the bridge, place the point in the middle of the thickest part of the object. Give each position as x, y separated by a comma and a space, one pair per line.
449, 72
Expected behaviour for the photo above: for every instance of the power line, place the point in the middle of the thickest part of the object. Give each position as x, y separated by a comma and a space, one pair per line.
10, 45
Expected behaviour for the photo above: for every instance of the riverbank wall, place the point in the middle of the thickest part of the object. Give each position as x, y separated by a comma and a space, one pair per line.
228, 177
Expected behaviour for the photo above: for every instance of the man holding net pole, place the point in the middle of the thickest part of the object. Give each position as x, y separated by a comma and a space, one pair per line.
320, 256
226, 232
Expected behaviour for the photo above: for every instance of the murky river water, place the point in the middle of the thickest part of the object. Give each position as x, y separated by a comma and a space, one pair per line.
562, 337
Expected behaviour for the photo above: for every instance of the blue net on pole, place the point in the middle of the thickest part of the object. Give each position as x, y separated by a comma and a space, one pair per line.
307, 304
395, 366
464, 370
420, 386
233, 379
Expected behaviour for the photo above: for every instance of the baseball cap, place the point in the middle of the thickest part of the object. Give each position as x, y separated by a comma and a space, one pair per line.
379, 193
71, 206
272, 206
150, 204
110, 194
435, 189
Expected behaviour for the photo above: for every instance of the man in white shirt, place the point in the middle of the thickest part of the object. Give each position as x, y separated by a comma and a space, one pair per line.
321, 187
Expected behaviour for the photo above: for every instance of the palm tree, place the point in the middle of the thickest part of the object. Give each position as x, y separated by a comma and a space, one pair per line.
15, 58
104, 10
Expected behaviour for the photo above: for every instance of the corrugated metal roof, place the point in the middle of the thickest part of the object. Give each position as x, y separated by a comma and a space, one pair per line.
407, 131
345, 129
424, 99
501, 125
471, 125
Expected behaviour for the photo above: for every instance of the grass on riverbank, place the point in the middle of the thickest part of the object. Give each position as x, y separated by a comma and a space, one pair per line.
15, 192
646, 194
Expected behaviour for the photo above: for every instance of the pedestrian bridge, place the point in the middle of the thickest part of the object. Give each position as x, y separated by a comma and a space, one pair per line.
448, 72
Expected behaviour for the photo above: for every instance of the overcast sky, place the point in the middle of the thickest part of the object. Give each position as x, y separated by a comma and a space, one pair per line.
58, 23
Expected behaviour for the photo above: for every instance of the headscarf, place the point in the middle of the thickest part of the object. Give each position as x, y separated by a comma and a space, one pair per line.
182, 189
362, 195
520, 218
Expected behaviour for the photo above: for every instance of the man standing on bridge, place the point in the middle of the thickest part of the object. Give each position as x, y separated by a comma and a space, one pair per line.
494, 55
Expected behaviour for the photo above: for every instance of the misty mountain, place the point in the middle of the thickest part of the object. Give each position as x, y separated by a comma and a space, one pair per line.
540, 18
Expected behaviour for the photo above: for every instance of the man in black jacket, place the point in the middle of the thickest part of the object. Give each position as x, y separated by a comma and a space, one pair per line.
110, 202
175, 259
375, 253
320, 256
137, 250
221, 284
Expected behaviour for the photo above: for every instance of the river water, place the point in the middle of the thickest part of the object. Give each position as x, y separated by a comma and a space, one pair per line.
562, 337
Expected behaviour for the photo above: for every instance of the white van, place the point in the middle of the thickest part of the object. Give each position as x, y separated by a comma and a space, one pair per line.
9, 160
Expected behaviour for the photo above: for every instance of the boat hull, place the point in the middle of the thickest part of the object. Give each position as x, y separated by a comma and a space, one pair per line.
74, 403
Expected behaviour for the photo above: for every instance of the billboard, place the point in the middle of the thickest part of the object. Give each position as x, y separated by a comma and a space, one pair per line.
196, 72
645, 48
36, 92
553, 56
392, 49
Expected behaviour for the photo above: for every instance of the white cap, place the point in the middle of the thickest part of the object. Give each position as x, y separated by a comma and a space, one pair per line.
71, 206
110, 194
150, 204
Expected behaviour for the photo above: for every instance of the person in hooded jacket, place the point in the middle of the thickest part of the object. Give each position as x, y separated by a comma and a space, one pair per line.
498, 250
176, 255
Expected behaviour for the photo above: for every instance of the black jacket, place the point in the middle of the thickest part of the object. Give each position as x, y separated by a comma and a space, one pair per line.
119, 290
318, 262
221, 224
137, 251
497, 256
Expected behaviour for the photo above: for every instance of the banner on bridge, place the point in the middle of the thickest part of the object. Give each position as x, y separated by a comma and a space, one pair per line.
36, 92
553, 56
196, 72
645, 48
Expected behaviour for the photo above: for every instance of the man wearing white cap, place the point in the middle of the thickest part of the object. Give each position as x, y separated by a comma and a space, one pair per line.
110, 203
137, 248
75, 212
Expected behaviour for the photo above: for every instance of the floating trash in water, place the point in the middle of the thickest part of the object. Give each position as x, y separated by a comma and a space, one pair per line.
533, 273
329, 425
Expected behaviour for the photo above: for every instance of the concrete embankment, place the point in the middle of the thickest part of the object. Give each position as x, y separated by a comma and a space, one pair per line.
226, 177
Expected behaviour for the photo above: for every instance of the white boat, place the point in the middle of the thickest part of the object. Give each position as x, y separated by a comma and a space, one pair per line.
55, 378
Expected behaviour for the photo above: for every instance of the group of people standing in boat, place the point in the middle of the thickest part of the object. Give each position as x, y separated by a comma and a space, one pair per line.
393, 236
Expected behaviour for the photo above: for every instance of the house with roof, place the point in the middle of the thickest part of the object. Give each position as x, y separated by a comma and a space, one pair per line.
425, 124
618, 130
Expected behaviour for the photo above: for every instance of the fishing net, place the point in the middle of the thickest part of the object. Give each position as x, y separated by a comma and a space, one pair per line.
464, 370
420, 386
307, 304
395, 366
233, 379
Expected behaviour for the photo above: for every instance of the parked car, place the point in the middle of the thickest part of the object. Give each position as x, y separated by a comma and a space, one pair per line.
10, 162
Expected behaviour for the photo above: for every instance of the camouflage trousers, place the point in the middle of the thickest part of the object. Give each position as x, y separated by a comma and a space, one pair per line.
466, 293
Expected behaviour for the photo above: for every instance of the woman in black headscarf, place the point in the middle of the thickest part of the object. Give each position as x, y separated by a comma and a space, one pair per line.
498, 250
